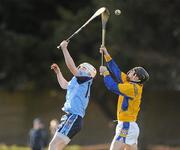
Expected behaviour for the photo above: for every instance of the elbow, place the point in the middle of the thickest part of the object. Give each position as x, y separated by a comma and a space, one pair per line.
63, 87
110, 86
113, 88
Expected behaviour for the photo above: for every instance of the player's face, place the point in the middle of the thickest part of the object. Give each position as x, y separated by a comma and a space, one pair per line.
131, 76
83, 69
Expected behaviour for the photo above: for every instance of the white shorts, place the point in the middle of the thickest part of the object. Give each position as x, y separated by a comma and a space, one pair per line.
127, 132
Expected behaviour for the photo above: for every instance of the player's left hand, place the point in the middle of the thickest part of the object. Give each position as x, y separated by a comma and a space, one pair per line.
102, 69
103, 50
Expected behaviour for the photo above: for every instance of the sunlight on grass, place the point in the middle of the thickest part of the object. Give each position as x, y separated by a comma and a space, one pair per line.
74, 147
14, 147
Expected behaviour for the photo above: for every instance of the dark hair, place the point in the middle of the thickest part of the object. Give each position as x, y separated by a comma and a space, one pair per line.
142, 74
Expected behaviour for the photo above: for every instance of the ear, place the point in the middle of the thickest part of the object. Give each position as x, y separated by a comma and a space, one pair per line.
137, 78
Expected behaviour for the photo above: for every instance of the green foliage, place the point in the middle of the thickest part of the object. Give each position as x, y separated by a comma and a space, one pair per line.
146, 33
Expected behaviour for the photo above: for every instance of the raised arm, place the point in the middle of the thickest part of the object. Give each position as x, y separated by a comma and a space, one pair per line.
61, 80
112, 66
125, 89
108, 80
68, 59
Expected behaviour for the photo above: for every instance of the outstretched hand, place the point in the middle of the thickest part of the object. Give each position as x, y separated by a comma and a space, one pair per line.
56, 68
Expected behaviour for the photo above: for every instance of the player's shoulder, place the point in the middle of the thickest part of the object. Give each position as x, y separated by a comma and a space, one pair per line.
136, 85
123, 77
137, 89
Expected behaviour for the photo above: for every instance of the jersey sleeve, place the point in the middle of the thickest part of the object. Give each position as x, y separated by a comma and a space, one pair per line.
123, 77
111, 84
124, 89
114, 69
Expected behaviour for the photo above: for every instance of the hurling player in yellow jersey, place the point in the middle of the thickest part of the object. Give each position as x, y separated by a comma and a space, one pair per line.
129, 88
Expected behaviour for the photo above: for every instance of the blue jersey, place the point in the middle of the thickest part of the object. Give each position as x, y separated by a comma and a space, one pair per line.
77, 97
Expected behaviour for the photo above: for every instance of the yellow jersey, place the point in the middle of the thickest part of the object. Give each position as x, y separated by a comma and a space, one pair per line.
129, 93
129, 102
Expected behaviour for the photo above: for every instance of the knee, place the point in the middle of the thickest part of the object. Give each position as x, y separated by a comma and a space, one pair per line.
57, 145
51, 146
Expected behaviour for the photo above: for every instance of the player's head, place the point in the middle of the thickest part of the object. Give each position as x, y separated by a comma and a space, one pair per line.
88, 69
138, 75
37, 123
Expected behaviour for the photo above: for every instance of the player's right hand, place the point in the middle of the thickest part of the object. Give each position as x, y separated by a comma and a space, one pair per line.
103, 50
56, 68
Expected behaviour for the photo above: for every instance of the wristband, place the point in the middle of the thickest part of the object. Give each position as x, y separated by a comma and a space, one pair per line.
105, 73
107, 58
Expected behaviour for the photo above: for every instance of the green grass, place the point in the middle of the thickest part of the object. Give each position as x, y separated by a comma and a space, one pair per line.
74, 147
15, 147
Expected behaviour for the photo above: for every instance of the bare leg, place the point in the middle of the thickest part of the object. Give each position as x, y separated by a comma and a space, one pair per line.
117, 145
131, 147
57, 143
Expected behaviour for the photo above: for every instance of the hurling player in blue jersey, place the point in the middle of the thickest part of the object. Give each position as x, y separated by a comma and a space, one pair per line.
77, 98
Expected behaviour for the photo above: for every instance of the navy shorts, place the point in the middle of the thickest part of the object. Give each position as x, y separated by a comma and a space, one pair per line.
70, 125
